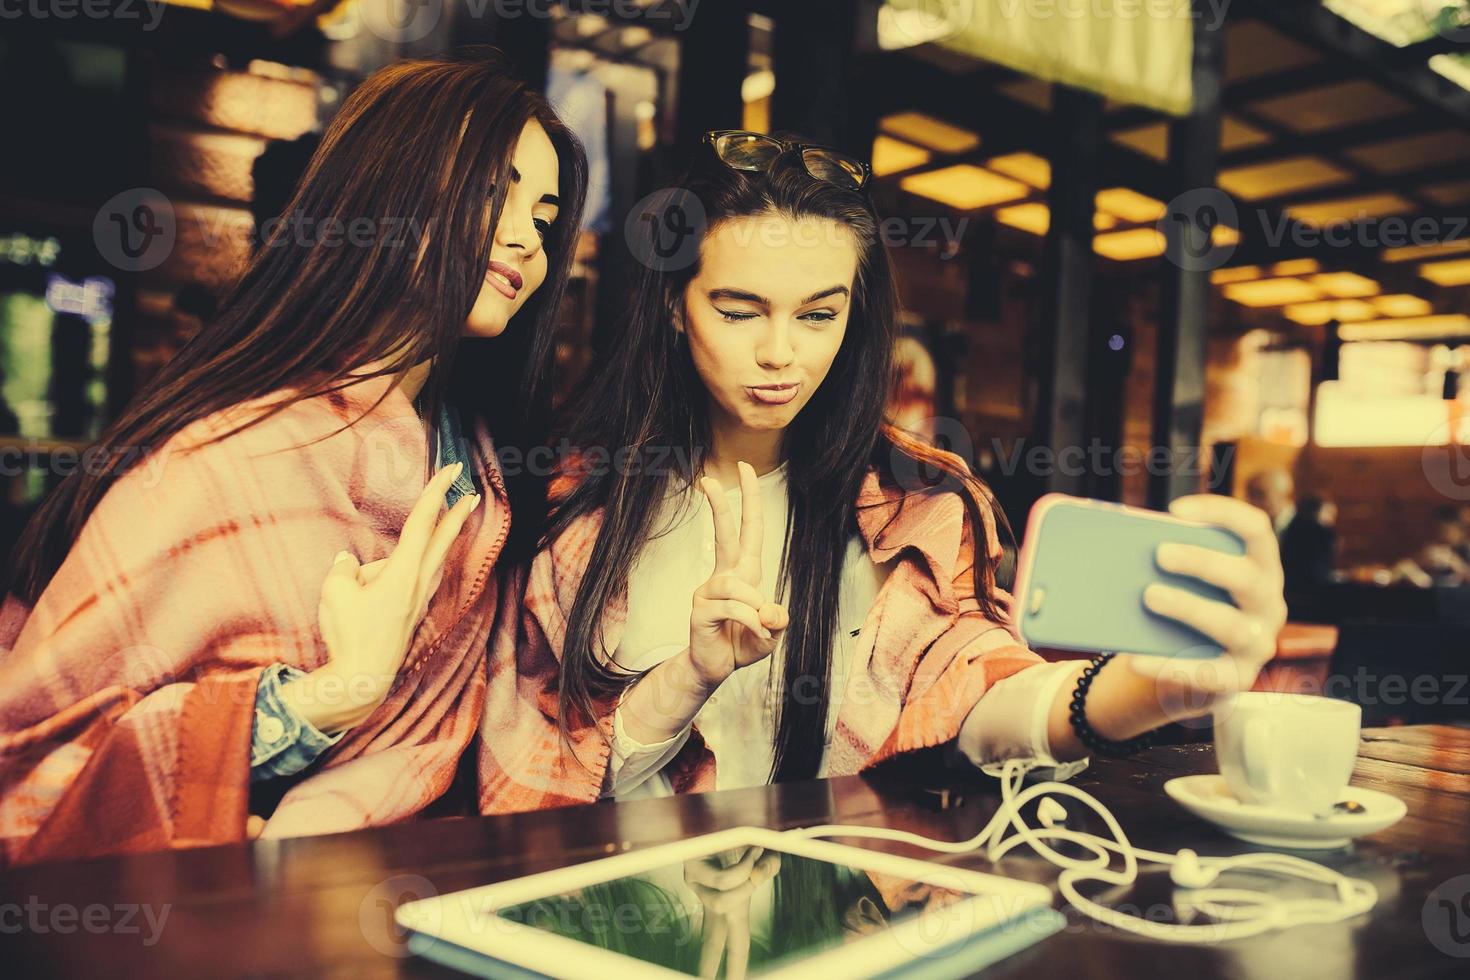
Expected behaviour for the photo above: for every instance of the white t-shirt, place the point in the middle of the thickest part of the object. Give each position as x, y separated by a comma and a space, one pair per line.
737, 722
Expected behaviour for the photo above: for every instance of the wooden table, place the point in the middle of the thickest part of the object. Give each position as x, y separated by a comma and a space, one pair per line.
322, 907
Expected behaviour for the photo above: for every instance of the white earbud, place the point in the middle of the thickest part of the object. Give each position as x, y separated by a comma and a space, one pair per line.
1051, 813
1187, 872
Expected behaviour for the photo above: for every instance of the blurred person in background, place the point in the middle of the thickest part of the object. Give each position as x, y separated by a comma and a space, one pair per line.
1274, 492
1440, 561
1309, 544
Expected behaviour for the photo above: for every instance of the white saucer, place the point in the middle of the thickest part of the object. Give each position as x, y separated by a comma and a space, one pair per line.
1209, 798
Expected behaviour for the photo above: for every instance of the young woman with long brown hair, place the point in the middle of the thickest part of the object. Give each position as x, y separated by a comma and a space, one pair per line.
169, 643
838, 605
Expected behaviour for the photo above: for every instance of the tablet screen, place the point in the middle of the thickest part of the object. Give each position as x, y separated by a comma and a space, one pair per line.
741, 912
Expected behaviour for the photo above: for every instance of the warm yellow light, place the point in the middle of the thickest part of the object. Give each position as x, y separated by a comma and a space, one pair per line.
891, 155
1272, 292
1455, 273
1413, 328
1125, 246
1318, 313
1263, 180
964, 186
1349, 209
1296, 267
756, 116
1402, 305
1122, 202
1223, 236
1346, 285
1035, 217
1240, 273
1410, 252
915, 127
1027, 167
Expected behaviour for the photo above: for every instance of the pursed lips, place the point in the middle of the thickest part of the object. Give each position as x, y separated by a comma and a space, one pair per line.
777, 394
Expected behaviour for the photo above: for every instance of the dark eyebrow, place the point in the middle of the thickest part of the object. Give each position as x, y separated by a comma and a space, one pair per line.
834, 291
552, 199
740, 294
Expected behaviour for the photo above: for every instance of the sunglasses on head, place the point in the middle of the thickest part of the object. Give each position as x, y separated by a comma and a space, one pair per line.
739, 149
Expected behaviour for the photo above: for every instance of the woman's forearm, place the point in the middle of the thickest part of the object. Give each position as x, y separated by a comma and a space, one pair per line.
1120, 705
665, 700
329, 702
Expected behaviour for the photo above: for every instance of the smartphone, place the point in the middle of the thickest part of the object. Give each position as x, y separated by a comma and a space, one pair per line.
1082, 570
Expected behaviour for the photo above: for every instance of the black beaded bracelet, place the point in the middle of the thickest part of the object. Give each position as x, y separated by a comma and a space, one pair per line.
1085, 734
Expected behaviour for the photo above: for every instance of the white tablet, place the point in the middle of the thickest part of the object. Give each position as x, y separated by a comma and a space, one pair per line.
743, 902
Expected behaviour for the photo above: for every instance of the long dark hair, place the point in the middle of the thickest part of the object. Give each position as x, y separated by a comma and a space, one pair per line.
646, 404
418, 148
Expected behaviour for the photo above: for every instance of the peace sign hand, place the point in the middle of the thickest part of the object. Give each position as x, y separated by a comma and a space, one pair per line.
725, 885
732, 625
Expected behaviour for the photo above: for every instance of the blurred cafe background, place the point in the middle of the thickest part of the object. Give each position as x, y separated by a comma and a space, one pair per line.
1145, 247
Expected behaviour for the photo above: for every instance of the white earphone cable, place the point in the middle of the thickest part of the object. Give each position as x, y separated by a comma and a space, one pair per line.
1238, 912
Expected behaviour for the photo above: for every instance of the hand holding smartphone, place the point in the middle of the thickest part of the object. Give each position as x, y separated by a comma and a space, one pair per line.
1083, 569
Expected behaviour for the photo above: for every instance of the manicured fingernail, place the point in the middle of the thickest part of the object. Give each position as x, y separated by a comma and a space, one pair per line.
341, 557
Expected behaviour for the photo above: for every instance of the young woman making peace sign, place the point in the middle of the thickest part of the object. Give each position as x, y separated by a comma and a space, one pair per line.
850, 613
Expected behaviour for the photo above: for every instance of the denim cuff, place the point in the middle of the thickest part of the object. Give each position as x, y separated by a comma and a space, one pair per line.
282, 742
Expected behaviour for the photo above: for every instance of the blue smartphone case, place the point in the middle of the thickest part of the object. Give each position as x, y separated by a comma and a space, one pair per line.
1084, 565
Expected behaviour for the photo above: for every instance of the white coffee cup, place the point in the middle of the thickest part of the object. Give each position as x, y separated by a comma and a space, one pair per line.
1287, 751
